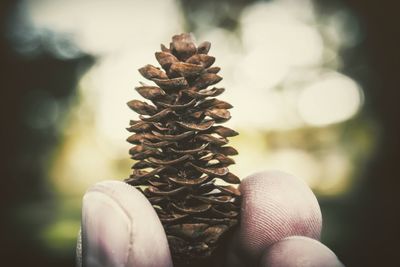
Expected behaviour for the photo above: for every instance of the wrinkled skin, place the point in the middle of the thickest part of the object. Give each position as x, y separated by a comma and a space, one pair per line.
280, 227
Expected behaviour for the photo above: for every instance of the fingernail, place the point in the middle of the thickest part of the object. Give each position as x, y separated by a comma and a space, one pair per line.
106, 231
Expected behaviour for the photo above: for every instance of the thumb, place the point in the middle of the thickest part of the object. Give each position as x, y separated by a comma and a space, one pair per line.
121, 228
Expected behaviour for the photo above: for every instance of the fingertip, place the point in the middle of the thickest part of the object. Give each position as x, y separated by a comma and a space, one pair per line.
276, 205
121, 228
299, 251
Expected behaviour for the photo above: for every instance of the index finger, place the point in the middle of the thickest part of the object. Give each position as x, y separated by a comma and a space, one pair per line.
275, 205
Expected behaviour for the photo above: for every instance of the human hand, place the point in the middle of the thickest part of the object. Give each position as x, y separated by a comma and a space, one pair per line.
280, 225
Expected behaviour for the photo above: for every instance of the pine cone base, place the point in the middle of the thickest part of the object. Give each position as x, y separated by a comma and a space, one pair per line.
182, 152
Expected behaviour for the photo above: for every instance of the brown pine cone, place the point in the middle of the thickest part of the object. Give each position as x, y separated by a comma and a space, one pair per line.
181, 150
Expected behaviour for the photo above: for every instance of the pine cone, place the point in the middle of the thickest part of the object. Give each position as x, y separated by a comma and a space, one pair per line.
181, 151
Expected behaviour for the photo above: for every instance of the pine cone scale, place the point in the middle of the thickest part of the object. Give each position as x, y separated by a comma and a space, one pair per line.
186, 69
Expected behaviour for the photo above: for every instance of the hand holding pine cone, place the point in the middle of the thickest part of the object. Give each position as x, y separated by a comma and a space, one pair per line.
181, 150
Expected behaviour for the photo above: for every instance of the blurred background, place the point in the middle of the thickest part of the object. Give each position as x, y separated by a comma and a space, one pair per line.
314, 85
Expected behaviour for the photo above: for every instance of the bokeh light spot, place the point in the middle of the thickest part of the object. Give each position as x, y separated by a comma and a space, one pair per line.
332, 99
